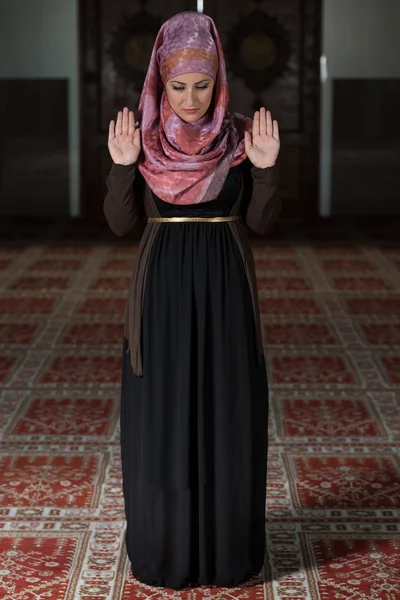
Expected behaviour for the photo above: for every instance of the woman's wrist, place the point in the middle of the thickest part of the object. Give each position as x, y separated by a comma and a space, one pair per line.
265, 167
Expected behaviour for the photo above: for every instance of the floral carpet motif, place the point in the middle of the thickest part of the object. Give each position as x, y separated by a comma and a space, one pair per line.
329, 297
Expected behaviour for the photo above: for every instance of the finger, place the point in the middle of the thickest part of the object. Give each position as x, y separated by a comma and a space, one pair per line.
118, 127
136, 138
125, 121
256, 124
269, 128
111, 130
131, 130
247, 141
263, 125
276, 130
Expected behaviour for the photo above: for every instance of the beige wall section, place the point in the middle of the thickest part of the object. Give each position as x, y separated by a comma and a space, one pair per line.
360, 40
40, 39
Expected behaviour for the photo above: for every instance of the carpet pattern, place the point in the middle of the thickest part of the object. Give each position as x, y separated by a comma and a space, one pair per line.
330, 306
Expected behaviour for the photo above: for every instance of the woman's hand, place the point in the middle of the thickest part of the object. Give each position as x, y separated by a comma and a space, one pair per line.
262, 147
123, 139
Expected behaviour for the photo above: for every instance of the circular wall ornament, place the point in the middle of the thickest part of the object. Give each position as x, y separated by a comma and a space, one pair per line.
138, 51
258, 50
131, 45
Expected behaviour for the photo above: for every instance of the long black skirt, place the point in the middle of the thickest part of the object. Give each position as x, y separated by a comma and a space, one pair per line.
194, 427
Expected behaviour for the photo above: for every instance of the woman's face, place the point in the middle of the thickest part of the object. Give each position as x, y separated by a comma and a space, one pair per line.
190, 95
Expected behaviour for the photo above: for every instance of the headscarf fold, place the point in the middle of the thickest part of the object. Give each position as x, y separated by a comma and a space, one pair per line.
187, 163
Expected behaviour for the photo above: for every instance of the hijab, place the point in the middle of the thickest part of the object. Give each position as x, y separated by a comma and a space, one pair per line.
187, 163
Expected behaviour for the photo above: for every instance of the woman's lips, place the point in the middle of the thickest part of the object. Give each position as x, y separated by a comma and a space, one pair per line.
190, 110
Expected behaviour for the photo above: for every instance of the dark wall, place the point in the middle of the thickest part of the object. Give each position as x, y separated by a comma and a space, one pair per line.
34, 163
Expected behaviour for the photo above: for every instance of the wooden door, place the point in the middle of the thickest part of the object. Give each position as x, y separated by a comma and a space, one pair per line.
272, 50
116, 39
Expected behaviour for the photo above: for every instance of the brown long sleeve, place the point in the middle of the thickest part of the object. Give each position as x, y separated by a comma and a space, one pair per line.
123, 205
263, 202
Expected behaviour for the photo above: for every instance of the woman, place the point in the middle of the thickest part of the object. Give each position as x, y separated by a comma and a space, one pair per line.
194, 401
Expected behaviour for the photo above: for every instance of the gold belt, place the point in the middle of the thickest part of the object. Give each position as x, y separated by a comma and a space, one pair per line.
193, 219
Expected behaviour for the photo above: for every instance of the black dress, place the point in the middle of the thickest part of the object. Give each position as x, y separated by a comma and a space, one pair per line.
194, 427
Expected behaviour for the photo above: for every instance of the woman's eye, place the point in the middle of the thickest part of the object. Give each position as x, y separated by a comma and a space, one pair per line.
179, 89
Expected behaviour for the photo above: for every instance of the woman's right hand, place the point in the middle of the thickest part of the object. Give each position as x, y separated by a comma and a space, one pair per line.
123, 139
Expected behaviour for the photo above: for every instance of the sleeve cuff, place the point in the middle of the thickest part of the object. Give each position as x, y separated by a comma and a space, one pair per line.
263, 173
122, 170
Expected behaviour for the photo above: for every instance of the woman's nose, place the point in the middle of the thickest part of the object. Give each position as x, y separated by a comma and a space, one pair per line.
190, 99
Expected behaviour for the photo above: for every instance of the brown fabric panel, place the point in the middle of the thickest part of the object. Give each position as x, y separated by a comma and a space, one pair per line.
261, 212
129, 198
133, 315
134, 312
240, 235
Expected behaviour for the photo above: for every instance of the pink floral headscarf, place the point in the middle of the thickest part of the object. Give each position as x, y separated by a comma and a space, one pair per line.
187, 163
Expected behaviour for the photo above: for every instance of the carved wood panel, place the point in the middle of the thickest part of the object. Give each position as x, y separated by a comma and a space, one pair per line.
116, 38
272, 50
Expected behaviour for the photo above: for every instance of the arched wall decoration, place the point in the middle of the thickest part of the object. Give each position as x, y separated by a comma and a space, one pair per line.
111, 77
131, 45
258, 50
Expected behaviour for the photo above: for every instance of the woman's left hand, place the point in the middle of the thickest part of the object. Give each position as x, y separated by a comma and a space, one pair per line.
262, 146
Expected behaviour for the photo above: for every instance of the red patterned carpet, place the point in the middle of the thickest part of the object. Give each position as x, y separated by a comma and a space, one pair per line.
330, 303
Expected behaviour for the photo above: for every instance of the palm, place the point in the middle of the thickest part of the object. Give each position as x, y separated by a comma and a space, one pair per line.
124, 139
263, 144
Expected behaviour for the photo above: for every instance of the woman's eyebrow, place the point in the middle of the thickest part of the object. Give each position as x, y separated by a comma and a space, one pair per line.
180, 82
